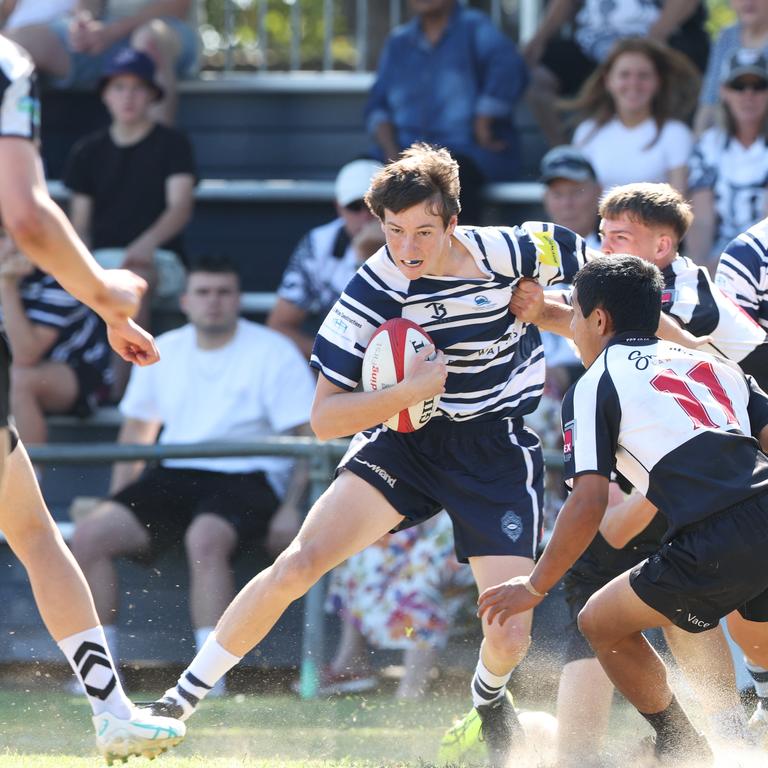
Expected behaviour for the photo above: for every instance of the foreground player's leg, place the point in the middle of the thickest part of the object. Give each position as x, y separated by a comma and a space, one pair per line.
503, 648
752, 638
348, 517
66, 606
612, 621
705, 660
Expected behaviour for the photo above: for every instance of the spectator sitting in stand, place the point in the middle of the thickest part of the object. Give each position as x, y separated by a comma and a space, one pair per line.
59, 346
470, 79
15, 14
74, 50
241, 382
729, 165
632, 109
325, 259
750, 31
561, 63
132, 185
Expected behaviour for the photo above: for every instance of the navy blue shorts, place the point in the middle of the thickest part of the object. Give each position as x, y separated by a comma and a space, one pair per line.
488, 476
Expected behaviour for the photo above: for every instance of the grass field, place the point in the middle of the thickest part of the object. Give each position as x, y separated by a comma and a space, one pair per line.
54, 731
44, 730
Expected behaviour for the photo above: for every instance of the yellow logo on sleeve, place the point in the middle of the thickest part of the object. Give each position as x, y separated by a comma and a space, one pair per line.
547, 250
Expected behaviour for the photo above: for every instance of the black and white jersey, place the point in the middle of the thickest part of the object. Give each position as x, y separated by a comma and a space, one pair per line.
704, 310
742, 272
495, 361
19, 102
676, 423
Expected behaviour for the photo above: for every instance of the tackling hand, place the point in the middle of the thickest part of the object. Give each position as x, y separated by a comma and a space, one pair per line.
527, 300
505, 600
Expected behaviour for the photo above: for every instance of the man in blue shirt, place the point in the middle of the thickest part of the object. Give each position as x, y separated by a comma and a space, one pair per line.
450, 77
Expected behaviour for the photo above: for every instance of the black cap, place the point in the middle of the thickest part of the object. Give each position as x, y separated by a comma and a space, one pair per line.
566, 162
129, 61
745, 61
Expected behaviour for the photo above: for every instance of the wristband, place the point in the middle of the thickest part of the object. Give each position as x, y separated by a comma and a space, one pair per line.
530, 588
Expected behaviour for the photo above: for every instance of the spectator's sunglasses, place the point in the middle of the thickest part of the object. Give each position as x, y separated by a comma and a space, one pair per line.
356, 206
749, 85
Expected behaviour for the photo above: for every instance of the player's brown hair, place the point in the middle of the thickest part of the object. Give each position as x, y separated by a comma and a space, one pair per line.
421, 173
654, 205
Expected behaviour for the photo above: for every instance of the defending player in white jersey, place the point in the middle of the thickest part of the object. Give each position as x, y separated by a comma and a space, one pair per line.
474, 458
683, 427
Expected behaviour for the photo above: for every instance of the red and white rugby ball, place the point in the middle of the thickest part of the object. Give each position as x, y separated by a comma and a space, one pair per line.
387, 359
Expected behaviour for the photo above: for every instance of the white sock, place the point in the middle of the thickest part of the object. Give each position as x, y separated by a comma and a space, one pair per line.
759, 676
88, 654
211, 663
487, 687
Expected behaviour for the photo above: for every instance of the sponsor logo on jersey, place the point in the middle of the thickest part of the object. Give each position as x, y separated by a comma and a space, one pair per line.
339, 325
512, 525
482, 301
569, 431
668, 296
382, 473
547, 250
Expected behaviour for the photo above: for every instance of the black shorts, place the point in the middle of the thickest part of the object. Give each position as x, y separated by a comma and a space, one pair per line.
568, 62
577, 592
92, 388
166, 500
488, 476
711, 569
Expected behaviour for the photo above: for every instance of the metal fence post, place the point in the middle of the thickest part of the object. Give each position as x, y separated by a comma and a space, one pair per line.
313, 635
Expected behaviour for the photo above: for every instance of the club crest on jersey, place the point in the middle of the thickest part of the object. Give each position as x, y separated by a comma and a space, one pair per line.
569, 432
512, 525
547, 249
438, 310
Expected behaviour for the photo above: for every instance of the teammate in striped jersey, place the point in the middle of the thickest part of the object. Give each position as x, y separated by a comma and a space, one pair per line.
474, 458
742, 272
683, 427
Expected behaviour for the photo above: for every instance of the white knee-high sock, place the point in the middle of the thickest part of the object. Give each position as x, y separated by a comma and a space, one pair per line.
211, 663
88, 654
487, 687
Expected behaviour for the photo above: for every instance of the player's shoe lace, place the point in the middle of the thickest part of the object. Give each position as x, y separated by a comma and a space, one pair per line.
758, 724
500, 729
462, 741
140, 735
165, 707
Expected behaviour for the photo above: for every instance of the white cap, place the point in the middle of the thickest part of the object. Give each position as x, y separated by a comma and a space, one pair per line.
354, 179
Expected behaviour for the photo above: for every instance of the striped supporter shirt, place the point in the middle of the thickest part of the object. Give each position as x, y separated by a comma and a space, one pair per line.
743, 272
495, 361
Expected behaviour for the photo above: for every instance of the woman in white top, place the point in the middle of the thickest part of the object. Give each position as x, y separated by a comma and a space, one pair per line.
729, 166
632, 109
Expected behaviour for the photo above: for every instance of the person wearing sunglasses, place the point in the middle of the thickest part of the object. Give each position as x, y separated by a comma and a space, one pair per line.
728, 170
324, 260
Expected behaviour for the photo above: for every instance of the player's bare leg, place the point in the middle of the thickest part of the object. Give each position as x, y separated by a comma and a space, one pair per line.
349, 516
67, 608
752, 638
706, 663
584, 699
612, 621
503, 648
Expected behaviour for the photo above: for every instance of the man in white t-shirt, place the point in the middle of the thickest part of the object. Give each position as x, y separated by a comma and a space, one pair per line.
221, 379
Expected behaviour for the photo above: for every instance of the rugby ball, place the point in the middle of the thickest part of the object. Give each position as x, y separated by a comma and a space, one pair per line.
387, 360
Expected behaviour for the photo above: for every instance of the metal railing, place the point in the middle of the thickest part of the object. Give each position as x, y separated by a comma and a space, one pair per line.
322, 456
323, 35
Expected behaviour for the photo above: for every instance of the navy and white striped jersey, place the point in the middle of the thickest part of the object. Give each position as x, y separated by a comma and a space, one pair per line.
743, 272
19, 102
495, 361
703, 309
82, 336
676, 423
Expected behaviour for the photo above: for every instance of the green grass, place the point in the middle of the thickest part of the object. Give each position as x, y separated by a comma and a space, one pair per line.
40, 730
